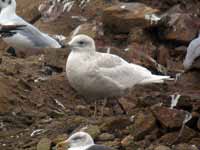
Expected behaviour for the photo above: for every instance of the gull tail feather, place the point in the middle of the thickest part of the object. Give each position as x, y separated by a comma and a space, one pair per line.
155, 79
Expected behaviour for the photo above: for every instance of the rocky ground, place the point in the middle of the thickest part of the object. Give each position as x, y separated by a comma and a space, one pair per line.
38, 108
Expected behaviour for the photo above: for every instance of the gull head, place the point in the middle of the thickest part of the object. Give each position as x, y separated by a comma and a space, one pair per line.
7, 4
78, 139
82, 43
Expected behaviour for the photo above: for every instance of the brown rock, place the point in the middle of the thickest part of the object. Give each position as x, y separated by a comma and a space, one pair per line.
195, 141
82, 110
142, 54
60, 22
108, 111
114, 144
178, 27
196, 64
129, 144
60, 26
115, 123
163, 55
179, 51
174, 65
127, 141
23, 53
162, 147
171, 138
185, 101
169, 118
143, 124
138, 35
60, 138
150, 100
44, 144
93, 130
106, 137
185, 146
56, 57
91, 29
198, 123
27, 11
124, 16
189, 80
3, 45
8, 95
127, 105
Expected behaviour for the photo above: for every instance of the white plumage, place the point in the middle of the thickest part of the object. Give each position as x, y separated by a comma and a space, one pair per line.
100, 75
82, 141
193, 51
30, 36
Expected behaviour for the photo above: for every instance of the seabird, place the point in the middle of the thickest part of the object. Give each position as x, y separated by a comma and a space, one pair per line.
82, 141
30, 36
193, 52
98, 75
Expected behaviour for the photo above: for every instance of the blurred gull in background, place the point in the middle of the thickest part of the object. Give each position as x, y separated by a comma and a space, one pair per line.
52, 9
193, 52
30, 36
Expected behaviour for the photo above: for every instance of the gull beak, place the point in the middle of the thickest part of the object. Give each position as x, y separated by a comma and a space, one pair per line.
62, 145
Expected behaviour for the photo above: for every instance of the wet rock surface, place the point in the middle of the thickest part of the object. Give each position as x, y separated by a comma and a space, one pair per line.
39, 109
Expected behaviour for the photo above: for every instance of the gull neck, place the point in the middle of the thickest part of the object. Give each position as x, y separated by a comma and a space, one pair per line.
8, 11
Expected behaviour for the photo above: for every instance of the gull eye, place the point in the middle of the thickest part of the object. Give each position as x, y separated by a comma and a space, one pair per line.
76, 138
81, 42
3, 0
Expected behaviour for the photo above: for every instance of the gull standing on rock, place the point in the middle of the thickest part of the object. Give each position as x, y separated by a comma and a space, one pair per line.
98, 75
30, 36
82, 141
193, 52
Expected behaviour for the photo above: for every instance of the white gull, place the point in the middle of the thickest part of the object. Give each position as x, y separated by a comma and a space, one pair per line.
30, 36
101, 75
82, 141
